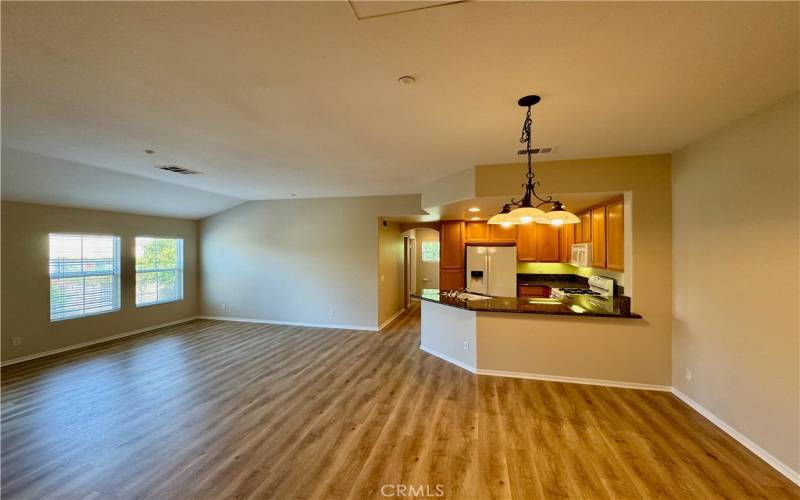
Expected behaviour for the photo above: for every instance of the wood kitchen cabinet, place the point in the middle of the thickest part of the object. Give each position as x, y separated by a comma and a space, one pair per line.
585, 226
452, 279
566, 238
451, 255
526, 243
500, 234
537, 243
539, 291
481, 232
546, 242
615, 236
598, 236
477, 232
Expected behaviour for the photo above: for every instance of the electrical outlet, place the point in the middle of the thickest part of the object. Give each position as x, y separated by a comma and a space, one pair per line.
688, 374
224, 307
466, 345
332, 312
383, 278
16, 340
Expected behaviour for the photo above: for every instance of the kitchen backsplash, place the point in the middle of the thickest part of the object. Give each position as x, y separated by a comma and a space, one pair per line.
557, 268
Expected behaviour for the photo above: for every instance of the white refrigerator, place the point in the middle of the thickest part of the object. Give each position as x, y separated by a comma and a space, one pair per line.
492, 271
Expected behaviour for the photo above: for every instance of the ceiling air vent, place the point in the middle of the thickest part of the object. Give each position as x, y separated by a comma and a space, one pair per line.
178, 170
539, 151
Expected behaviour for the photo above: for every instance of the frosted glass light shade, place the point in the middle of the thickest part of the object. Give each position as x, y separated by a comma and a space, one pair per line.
524, 215
499, 219
559, 217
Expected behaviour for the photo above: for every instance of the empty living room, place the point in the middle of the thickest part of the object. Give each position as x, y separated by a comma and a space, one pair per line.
356, 249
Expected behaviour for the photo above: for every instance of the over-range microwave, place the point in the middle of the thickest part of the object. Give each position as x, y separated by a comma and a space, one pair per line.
581, 255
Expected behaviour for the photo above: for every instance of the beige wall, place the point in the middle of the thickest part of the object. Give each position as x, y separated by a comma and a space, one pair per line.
297, 260
736, 265
640, 349
390, 271
25, 282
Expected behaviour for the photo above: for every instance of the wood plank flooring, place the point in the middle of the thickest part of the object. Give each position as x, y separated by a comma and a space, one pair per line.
213, 409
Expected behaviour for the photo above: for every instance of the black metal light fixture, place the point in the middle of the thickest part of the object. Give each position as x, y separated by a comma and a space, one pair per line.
527, 209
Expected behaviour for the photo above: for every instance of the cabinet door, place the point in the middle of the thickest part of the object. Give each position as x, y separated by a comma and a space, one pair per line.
534, 291
477, 231
526, 242
451, 279
546, 242
500, 234
615, 232
586, 227
599, 237
566, 239
451, 241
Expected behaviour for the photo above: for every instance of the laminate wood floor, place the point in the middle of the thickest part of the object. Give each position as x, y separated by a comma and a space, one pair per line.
213, 409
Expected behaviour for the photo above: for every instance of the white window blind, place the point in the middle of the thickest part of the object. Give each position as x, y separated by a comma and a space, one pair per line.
159, 270
84, 275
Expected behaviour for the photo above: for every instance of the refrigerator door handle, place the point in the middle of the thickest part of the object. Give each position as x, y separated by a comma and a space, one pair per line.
489, 274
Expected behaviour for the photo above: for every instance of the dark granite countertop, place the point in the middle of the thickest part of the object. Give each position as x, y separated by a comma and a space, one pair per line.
578, 305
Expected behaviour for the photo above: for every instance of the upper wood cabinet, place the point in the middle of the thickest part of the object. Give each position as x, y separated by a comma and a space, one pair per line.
546, 242
451, 241
477, 231
526, 243
500, 234
586, 227
598, 237
615, 236
566, 238
537, 243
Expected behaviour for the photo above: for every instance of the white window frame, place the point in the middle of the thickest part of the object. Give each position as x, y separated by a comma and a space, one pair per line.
178, 270
115, 273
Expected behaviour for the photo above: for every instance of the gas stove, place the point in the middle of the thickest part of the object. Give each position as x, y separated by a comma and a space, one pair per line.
598, 287
577, 291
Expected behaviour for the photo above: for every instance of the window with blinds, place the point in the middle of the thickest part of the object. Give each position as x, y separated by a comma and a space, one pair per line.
84, 275
159, 270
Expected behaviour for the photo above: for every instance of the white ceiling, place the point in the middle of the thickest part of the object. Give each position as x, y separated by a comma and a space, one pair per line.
274, 98
33, 178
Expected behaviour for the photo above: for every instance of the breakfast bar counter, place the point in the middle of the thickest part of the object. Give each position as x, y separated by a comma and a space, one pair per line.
574, 338
581, 305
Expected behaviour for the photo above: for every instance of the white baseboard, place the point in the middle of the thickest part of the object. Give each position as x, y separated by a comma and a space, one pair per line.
93, 342
292, 323
447, 358
576, 380
385, 323
776, 464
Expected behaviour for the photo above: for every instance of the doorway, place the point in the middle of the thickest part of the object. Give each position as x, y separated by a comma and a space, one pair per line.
421, 261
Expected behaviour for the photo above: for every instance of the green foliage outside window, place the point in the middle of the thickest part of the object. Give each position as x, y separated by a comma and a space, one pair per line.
430, 251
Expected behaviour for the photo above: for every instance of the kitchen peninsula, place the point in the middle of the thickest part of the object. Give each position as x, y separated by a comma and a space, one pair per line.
579, 338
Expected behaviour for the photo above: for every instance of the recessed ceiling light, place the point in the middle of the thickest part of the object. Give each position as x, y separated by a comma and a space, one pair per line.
474, 209
475, 218
149, 151
407, 80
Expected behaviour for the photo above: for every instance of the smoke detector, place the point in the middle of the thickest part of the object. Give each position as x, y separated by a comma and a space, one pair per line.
407, 80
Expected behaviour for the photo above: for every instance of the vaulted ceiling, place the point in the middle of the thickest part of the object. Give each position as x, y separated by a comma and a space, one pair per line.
275, 99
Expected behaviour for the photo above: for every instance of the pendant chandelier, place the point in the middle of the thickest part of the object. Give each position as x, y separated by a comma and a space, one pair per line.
528, 208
